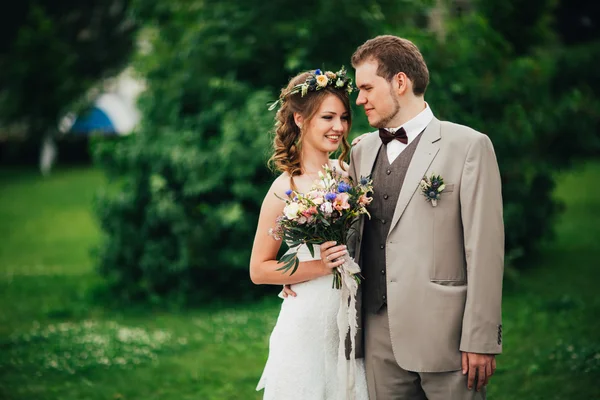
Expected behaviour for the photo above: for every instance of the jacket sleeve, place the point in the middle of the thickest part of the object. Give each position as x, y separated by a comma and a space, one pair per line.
353, 172
483, 228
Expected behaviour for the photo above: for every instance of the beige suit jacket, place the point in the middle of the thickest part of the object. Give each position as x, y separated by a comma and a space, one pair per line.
444, 263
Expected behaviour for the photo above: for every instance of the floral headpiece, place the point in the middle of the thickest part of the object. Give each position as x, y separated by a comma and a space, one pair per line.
317, 81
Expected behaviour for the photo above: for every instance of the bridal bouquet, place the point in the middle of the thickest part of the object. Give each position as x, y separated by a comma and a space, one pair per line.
326, 213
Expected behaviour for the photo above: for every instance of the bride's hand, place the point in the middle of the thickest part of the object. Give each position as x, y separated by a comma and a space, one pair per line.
331, 255
358, 139
287, 291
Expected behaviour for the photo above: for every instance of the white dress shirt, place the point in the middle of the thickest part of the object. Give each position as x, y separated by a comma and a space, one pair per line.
412, 128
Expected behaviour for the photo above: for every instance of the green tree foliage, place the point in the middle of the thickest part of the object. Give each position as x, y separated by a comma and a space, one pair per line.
577, 21
194, 176
52, 52
180, 217
524, 24
537, 100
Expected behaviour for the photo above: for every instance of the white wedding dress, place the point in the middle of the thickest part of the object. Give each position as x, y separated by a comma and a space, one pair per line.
303, 361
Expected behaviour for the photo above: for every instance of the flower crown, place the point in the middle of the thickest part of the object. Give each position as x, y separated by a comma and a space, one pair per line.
316, 81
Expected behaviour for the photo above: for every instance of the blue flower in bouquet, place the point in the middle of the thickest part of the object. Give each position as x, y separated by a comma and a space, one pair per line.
330, 196
364, 181
288, 192
343, 187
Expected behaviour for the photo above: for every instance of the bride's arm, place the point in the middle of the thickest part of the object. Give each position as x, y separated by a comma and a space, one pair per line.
263, 263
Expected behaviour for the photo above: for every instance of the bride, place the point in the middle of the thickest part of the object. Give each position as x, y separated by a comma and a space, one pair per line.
312, 121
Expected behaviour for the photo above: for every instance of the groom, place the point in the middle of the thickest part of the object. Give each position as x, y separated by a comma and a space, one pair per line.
432, 291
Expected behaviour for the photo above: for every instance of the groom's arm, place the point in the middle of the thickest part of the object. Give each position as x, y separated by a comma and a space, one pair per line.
353, 167
481, 209
353, 173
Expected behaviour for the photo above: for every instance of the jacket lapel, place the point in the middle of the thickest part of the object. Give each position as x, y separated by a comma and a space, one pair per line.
372, 143
369, 154
425, 152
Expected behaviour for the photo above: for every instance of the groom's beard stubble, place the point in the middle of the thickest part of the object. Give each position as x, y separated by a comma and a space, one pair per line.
385, 119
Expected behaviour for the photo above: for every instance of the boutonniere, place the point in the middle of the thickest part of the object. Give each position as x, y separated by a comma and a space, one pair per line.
432, 188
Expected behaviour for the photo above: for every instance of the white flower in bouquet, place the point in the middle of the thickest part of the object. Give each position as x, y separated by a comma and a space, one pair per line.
292, 210
327, 208
316, 196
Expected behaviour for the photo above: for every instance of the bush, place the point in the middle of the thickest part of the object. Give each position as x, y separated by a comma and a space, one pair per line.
185, 215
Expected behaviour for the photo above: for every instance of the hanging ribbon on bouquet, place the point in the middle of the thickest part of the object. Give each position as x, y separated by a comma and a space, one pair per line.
346, 321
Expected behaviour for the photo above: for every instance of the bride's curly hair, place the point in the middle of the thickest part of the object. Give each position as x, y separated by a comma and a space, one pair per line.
287, 144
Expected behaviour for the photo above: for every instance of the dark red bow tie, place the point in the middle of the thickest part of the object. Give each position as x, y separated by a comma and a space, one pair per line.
387, 136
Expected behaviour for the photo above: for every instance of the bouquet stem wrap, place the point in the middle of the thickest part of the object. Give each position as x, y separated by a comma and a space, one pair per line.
346, 322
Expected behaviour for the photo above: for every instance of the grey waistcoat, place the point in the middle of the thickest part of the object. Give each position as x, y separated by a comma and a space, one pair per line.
387, 182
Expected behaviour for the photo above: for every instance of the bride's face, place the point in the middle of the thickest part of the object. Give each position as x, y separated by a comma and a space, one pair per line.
327, 127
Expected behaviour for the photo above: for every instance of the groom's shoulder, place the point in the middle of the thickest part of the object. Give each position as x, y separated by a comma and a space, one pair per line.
366, 140
454, 131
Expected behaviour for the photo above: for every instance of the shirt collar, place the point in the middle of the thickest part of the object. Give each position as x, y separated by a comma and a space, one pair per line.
417, 124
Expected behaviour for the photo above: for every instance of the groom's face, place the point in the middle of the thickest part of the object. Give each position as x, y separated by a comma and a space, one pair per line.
376, 95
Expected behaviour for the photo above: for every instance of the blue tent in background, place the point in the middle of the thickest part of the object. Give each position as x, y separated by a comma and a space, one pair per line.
110, 115
94, 120
113, 113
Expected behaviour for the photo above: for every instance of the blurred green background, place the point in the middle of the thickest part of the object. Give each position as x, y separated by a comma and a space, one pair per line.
124, 260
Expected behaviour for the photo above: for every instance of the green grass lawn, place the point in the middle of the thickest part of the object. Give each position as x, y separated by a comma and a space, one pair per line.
56, 342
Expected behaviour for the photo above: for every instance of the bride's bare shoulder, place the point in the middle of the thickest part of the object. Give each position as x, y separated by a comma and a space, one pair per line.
276, 192
281, 184
282, 181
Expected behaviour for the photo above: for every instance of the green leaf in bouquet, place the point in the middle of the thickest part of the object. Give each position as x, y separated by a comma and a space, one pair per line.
311, 249
290, 237
296, 229
296, 264
296, 243
287, 257
292, 264
324, 220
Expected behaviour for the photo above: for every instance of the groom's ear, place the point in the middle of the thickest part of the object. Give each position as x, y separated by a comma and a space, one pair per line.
401, 82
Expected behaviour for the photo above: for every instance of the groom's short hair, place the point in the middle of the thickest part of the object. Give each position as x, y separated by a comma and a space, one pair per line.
394, 54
